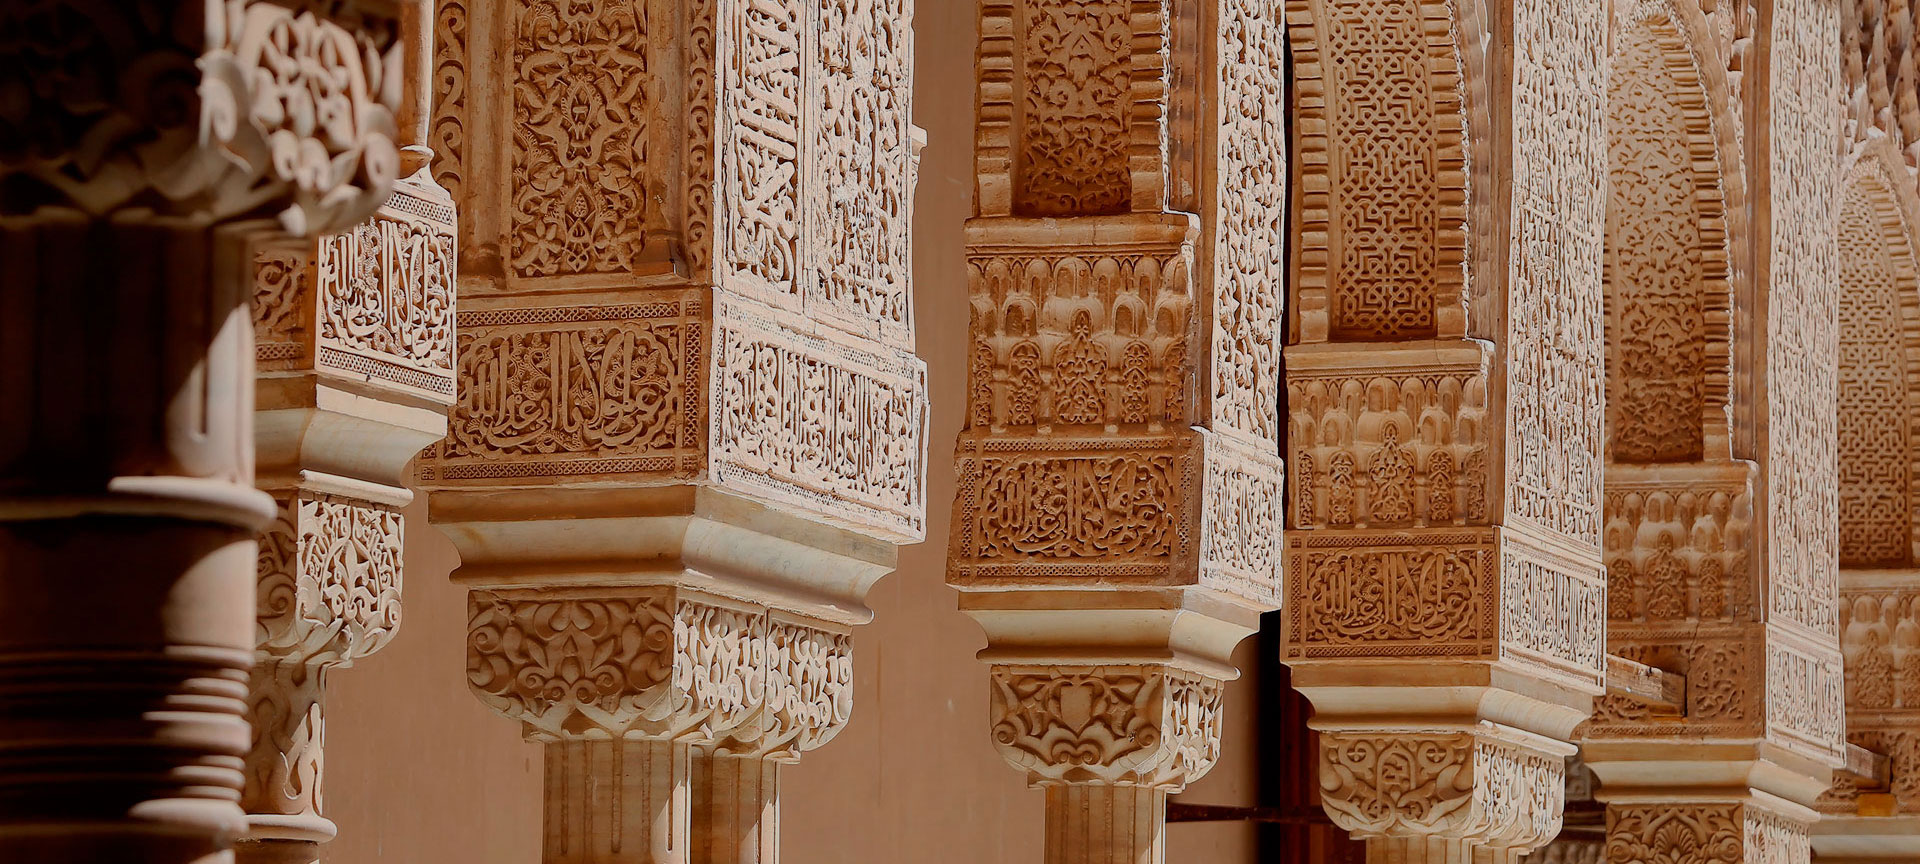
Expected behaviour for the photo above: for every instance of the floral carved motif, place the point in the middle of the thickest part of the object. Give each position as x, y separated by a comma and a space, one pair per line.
1724, 687
1454, 785
719, 662
1555, 317
594, 663
328, 593
1675, 834
1077, 65
809, 682
330, 573
1147, 725
448, 133
286, 763
1802, 497
1096, 335
570, 666
1249, 257
581, 103
282, 306
1679, 554
1666, 265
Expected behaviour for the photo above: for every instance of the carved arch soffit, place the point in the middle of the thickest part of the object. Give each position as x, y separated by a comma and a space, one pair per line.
1378, 264
1879, 246
1679, 37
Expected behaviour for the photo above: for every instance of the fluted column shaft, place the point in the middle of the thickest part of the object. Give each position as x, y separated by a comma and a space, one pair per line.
127, 548
123, 663
126, 551
1090, 823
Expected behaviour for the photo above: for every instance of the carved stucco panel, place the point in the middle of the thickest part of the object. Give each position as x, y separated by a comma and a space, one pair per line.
1145, 725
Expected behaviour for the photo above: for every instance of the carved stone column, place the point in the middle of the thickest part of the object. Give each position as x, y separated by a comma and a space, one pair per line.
1721, 506
1876, 817
1445, 598
690, 424
1116, 531
156, 142
354, 351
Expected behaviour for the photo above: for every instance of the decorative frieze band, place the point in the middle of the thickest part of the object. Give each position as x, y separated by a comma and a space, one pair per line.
692, 385
1386, 444
1114, 509
1487, 593
372, 304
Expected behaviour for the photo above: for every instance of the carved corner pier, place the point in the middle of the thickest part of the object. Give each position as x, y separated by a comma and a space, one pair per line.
690, 427
1445, 590
1116, 531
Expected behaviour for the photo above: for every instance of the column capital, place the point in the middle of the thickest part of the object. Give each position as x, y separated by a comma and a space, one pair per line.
276, 109
660, 662
1491, 786
1136, 725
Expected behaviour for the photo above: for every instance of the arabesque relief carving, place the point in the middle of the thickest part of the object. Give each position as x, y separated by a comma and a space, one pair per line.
660, 663
691, 426
1138, 725
1445, 384
354, 331
1121, 448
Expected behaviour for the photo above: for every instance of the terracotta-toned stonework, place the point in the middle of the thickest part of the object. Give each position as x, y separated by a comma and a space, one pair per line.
1584, 330
1116, 528
151, 143
1445, 400
689, 428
